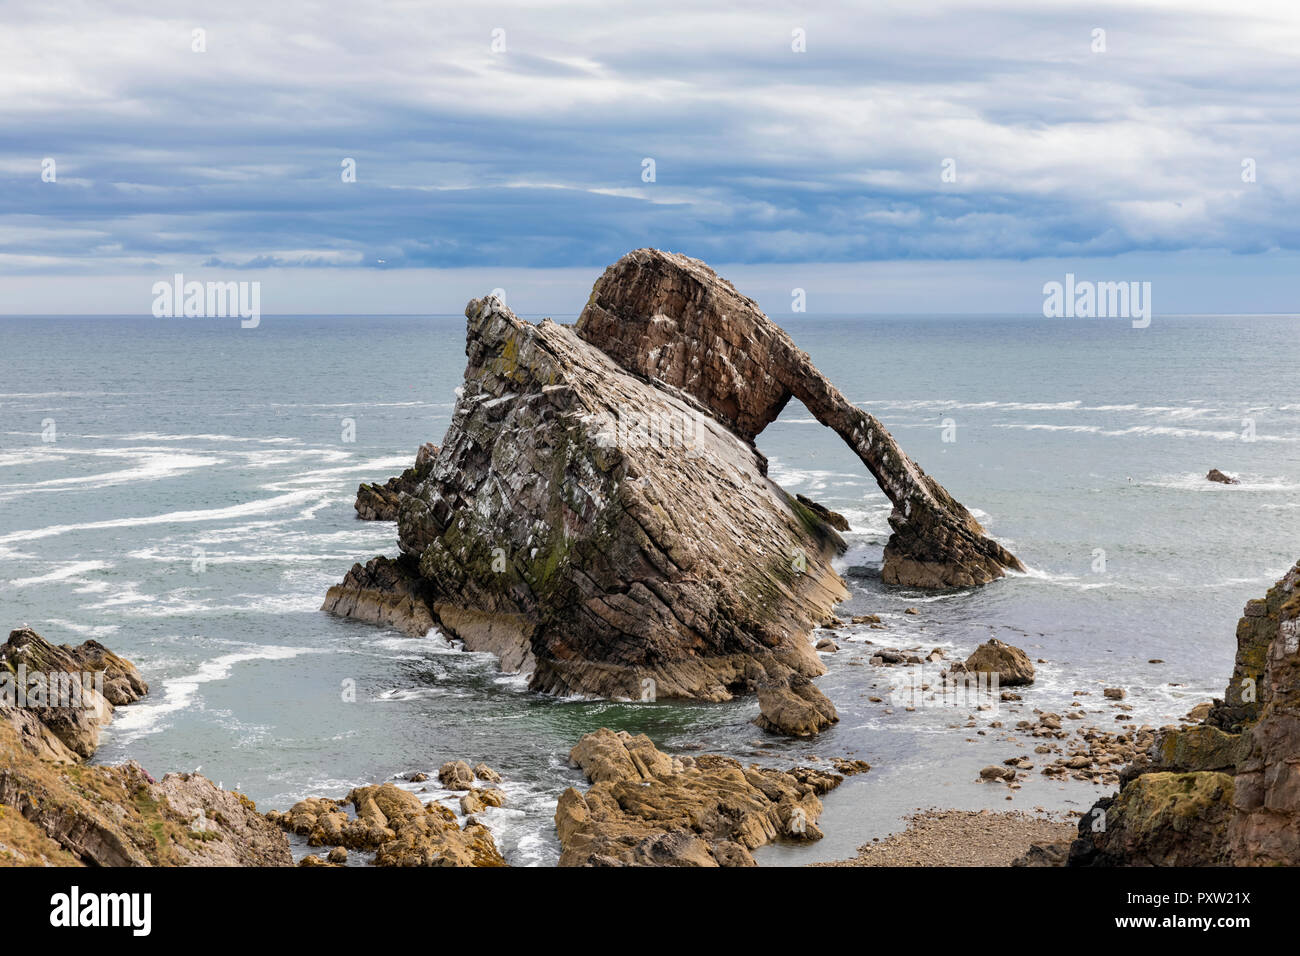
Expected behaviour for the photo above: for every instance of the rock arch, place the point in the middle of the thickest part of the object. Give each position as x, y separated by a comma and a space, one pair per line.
671, 318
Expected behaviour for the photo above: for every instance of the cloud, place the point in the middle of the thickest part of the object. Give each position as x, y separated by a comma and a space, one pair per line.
532, 157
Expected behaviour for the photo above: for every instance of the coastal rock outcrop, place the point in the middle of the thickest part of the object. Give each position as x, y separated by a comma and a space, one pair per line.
396, 825
646, 808
383, 591
58, 698
599, 517
376, 502
556, 533
1225, 792
56, 811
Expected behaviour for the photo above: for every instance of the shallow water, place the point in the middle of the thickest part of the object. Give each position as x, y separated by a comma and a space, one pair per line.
196, 502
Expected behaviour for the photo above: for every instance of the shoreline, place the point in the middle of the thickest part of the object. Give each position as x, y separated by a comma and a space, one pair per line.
960, 838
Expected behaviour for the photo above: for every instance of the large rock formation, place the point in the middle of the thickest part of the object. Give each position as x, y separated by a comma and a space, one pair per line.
1225, 792
674, 320
598, 514
646, 808
55, 810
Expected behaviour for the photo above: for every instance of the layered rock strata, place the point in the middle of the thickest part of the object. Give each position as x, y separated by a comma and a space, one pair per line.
376, 502
598, 515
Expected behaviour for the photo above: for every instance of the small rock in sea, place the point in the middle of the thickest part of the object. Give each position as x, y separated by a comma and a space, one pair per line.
1114, 693
1155, 660
1221, 478
338, 855
456, 775
912, 610
866, 619
1011, 664
997, 773
471, 803
417, 777
1200, 711
826, 644
849, 767
484, 772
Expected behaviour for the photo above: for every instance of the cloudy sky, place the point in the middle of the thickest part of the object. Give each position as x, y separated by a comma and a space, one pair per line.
506, 146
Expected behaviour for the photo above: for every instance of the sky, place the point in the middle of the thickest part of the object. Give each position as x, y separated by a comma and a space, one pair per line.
920, 156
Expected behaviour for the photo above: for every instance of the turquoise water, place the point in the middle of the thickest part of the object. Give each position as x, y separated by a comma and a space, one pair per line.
196, 502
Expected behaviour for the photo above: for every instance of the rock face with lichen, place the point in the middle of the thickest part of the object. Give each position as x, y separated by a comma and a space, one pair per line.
646, 808
599, 516
1225, 792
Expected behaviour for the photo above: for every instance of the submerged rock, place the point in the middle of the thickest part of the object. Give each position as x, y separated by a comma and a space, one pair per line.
1221, 478
646, 808
599, 517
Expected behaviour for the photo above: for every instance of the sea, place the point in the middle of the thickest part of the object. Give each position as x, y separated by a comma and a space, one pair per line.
182, 491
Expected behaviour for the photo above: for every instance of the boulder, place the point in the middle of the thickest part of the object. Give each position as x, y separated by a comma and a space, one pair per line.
796, 708
1221, 478
645, 808
1011, 664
